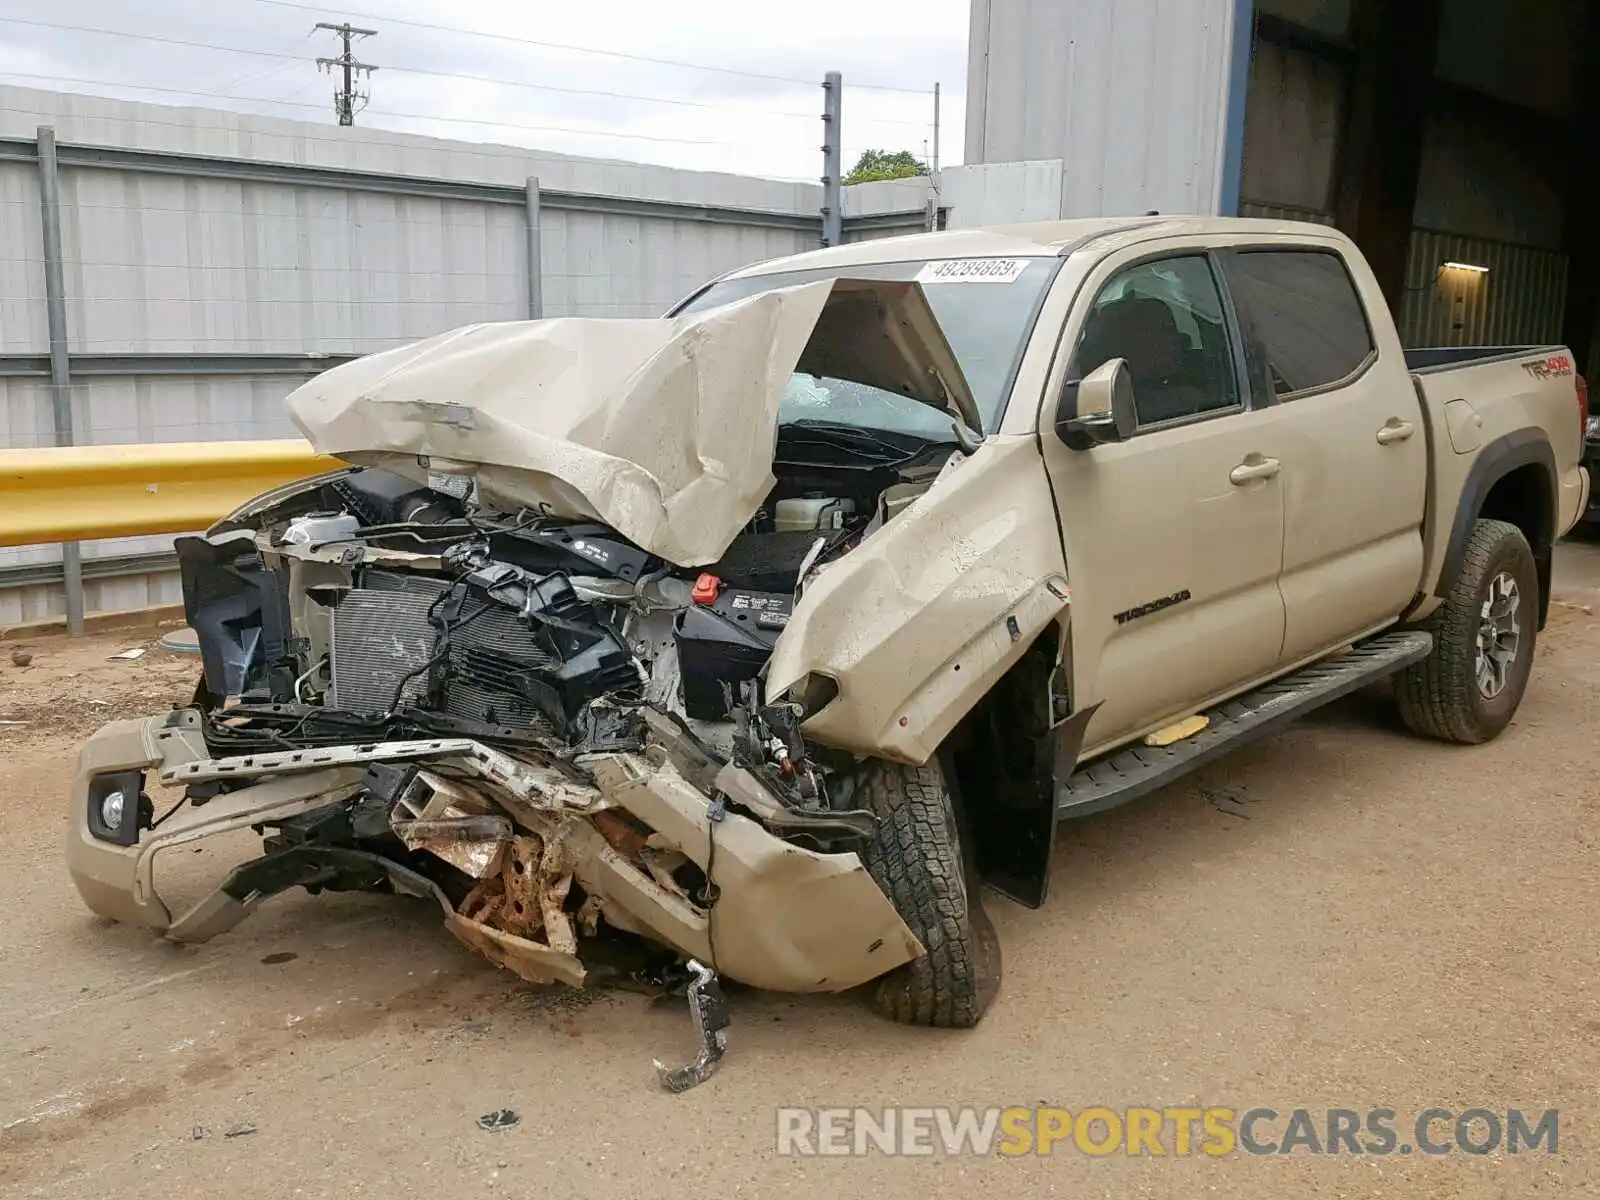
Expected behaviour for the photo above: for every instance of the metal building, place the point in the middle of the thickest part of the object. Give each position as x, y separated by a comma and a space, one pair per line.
1435, 132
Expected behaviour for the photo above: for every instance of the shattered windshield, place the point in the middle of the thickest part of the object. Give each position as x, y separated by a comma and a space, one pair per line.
986, 315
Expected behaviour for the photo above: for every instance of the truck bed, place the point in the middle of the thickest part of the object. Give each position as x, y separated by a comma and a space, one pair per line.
1427, 359
1485, 403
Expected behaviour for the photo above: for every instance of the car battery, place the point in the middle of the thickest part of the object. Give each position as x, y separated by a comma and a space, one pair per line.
724, 639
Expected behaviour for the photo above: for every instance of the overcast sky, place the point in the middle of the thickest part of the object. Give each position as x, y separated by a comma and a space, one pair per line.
734, 119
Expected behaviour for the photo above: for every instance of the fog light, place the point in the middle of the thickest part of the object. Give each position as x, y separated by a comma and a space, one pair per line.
111, 810
118, 807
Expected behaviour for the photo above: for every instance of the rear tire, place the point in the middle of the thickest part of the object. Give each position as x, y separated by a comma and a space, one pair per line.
916, 858
1469, 687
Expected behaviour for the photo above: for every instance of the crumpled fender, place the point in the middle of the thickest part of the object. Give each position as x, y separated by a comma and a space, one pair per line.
918, 622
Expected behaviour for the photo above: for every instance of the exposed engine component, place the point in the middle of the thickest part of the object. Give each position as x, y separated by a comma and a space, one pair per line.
380, 498
371, 603
369, 615
812, 512
724, 643
320, 530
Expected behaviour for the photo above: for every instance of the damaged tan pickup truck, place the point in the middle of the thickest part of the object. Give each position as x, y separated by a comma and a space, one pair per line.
758, 635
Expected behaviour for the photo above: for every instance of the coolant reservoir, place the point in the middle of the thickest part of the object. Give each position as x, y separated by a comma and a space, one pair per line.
811, 512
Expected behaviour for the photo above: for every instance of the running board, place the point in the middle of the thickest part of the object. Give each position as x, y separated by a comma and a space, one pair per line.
1139, 770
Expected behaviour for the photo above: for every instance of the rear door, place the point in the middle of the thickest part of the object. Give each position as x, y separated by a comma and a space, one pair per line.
1352, 443
1174, 537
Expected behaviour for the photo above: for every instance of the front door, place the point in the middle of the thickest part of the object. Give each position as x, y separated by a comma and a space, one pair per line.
1174, 537
1355, 469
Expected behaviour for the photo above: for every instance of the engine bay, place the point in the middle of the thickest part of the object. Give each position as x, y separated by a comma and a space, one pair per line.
366, 606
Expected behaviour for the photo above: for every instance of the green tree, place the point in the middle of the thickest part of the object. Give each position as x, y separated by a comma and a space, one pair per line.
881, 164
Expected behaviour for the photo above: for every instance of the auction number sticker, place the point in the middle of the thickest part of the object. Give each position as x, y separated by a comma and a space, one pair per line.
973, 270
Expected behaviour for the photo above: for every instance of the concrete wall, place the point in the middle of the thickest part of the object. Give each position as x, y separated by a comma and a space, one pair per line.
192, 234
1143, 100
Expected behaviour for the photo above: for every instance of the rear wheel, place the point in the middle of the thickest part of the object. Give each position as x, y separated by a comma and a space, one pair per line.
916, 858
1469, 687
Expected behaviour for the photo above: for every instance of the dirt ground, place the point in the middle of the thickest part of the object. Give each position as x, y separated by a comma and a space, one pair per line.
1342, 917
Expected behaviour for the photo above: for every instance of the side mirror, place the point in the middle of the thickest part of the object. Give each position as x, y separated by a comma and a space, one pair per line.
1098, 408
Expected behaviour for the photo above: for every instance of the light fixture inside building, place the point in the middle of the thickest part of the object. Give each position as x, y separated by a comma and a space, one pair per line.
1474, 268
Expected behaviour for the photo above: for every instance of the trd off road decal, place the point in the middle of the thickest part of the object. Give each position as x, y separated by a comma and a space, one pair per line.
1547, 368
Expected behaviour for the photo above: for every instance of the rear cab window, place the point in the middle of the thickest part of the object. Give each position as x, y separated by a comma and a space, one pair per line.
1304, 326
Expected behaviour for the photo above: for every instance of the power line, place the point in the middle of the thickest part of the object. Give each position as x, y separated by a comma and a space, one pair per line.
260, 72
462, 75
644, 58
381, 112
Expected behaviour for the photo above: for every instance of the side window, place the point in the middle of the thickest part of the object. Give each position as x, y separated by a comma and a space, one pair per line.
1165, 318
1305, 319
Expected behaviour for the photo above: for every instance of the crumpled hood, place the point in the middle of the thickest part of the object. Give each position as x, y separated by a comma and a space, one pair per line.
664, 429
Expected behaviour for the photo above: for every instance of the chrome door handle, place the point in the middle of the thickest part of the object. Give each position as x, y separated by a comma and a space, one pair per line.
1395, 431
1253, 468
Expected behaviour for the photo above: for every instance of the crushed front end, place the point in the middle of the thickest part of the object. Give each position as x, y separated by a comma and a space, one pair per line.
553, 734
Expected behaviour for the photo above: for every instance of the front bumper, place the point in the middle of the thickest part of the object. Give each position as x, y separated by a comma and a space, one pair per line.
785, 918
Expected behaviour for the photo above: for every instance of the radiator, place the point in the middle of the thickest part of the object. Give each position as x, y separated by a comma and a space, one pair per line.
379, 637
489, 655
381, 634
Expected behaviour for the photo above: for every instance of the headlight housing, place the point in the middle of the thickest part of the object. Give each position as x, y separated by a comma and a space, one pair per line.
118, 807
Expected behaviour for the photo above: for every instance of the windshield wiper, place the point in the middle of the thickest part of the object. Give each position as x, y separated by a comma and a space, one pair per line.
889, 447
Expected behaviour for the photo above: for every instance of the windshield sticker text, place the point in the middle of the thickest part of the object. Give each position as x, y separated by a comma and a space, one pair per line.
973, 270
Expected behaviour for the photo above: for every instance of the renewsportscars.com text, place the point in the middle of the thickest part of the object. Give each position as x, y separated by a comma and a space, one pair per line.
1098, 1131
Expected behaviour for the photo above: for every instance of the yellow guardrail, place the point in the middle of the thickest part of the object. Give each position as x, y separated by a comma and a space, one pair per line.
75, 493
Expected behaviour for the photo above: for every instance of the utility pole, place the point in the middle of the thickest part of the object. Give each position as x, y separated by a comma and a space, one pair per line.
832, 160
933, 169
344, 100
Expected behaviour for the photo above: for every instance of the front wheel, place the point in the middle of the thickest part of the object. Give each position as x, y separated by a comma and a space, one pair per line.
1468, 688
916, 858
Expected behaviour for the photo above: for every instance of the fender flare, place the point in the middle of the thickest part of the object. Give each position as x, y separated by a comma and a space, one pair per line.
1495, 461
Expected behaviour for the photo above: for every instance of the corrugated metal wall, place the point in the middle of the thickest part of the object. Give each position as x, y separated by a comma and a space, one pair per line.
886, 208
1519, 301
1283, 212
202, 255
1133, 95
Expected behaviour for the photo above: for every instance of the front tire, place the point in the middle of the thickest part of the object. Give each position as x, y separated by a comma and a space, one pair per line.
916, 858
1469, 687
